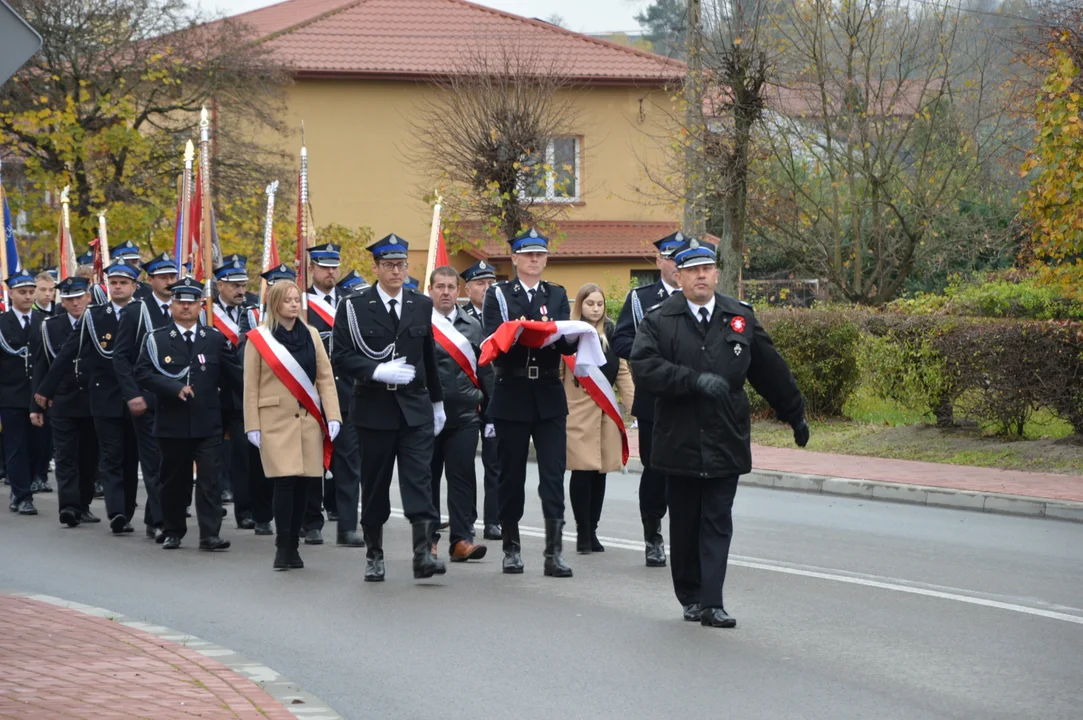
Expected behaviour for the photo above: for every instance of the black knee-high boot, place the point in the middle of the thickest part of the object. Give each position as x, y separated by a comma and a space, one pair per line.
579, 493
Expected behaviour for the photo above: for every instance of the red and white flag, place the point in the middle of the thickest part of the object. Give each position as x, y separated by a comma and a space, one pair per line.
538, 334
456, 345
601, 392
320, 306
223, 322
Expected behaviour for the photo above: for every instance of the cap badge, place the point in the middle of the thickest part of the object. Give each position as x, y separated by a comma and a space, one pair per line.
481, 265
693, 244
679, 237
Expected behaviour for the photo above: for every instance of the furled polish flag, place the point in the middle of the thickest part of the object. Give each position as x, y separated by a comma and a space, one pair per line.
442, 258
538, 334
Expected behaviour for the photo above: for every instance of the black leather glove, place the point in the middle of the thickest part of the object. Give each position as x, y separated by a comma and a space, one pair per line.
800, 433
713, 386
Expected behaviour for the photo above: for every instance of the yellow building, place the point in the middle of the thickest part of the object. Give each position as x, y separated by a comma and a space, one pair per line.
363, 68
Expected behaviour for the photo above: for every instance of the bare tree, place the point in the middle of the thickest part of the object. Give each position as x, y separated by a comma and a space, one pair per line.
486, 138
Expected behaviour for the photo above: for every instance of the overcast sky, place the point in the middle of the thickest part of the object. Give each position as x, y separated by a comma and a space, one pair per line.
589, 16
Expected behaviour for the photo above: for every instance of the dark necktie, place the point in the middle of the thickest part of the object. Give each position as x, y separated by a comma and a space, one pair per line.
165, 310
26, 321
327, 299
232, 312
188, 337
704, 321
530, 299
394, 315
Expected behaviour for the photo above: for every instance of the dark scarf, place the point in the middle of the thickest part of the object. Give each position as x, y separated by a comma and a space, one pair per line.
299, 344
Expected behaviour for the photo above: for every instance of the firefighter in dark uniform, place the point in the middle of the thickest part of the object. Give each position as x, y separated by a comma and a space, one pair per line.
128, 252
74, 439
339, 494
137, 319
528, 401
91, 347
19, 326
383, 343
478, 277
186, 365
694, 352
350, 283
652, 484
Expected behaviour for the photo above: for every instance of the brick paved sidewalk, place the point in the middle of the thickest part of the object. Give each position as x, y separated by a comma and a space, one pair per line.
1047, 486
60, 664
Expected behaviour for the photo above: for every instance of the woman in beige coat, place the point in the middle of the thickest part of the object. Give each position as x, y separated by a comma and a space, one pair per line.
594, 442
289, 439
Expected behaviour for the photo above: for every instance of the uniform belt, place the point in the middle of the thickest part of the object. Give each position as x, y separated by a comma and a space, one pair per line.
530, 372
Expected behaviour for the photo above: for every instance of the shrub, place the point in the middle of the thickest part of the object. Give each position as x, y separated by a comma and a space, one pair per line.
1004, 295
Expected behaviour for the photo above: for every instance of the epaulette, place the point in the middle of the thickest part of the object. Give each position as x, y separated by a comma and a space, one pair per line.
502, 282
654, 307
170, 326
553, 284
747, 305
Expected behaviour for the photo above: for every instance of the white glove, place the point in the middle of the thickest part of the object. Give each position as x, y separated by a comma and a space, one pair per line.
490, 430
253, 437
439, 418
333, 426
396, 372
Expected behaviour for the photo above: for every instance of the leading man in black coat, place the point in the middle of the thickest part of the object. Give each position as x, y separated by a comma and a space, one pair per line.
694, 352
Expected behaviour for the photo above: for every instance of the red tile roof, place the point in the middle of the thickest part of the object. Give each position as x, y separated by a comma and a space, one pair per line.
412, 38
589, 240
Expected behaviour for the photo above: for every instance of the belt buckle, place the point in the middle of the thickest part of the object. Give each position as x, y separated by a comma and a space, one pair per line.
532, 372
392, 387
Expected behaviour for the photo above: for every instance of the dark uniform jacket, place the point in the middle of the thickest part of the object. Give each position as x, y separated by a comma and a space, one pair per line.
636, 305
462, 399
54, 310
136, 319
342, 381
17, 358
167, 363
71, 399
90, 349
363, 329
693, 434
526, 382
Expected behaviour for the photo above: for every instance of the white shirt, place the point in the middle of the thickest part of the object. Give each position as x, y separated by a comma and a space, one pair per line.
476, 309
530, 289
695, 309
384, 297
181, 329
73, 320
669, 290
450, 316
321, 294
163, 305
23, 318
116, 308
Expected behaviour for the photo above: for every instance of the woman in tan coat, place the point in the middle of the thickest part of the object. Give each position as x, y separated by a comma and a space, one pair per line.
594, 442
289, 438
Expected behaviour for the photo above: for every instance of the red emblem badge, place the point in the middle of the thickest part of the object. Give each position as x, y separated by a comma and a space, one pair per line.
738, 324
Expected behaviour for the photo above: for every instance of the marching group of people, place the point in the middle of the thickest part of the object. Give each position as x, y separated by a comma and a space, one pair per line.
298, 416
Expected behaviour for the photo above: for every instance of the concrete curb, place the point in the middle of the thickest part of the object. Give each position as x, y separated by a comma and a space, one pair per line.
301, 704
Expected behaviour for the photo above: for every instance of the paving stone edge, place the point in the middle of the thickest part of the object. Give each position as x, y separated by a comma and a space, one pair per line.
301, 704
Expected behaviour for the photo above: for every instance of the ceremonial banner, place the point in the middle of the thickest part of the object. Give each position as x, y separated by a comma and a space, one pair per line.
538, 334
601, 392
229, 328
456, 345
321, 308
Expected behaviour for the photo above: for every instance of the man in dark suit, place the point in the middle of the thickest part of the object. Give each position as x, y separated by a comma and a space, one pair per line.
89, 350
383, 342
528, 401
19, 325
652, 484
137, 319
478, 277
41, 437
186, 365
74, 439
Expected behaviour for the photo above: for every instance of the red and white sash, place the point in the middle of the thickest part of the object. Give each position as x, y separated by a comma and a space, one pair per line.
456, 345
601, 392
228, 327
321, 308
289, 371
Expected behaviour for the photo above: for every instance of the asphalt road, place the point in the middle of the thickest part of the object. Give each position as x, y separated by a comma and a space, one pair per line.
846, 609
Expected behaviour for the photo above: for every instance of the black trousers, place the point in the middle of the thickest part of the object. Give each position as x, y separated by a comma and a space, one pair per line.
586, 490
652, 484
150, 460
290, 495
550, 445
18, 451
490, 461
41, 449
235, 456
178, 454
118, 464
700, 530
76, 447
346, 469
412, 447
260, 486
453, 454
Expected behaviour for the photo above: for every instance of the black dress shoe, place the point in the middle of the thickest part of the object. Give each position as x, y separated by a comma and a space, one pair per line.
332, 516
99, 491
171, 543
69, 516
246, 523
150, 532
655, 549
443, 526
554, 557
425, 563
117, 523
128, 528
491, 532
227, 497
350, 539
159, 535
374, 556
264, 529
225, 512
693, 612
512, 564
717, 617
188, 511
26, 507
212, 543
313, 537
35, 485
89, 517
13, 506
45, 486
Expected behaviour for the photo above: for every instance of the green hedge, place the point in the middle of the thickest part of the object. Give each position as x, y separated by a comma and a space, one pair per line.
1003, 295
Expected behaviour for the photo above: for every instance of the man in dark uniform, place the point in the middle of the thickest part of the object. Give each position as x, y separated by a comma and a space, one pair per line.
128, 252
340, 492
694, 352
351, 282
74, 438
383, 342
19, 325
41, 436
137, 319
186, 365
652, 484
478, 277
528, 401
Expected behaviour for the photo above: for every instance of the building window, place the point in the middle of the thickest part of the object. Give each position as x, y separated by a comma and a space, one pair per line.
553, 175
641, 278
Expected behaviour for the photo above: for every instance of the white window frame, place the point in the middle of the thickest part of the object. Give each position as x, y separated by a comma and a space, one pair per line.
551, 177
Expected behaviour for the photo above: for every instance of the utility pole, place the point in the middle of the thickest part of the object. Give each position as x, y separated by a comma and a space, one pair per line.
695, 180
